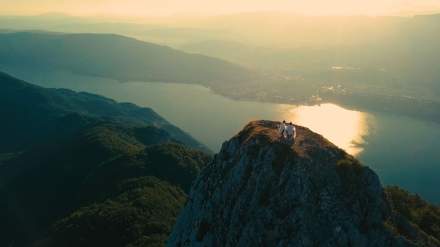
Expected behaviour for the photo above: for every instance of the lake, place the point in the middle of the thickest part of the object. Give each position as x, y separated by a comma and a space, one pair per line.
403, 151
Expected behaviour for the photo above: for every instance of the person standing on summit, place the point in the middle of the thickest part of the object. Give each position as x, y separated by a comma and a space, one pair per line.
282, 129
291, 132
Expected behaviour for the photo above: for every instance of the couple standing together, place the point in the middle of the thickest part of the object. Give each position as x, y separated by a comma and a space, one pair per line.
287, 131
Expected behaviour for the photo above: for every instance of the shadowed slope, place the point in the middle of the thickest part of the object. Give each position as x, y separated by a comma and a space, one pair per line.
259, 191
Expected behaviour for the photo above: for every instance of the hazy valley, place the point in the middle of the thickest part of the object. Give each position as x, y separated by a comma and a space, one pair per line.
396, 76
163, 131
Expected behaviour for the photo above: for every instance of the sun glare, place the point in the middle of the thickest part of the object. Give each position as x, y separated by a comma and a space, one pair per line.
345, 128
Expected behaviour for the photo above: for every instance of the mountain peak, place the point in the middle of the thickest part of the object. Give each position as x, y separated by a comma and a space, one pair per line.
260, 191
306, 143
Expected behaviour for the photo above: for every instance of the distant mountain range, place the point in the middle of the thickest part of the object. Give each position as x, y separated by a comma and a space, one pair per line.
82, 170
116, 57
387, 76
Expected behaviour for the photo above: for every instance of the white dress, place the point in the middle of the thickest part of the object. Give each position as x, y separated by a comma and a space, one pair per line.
290, 130
282, 130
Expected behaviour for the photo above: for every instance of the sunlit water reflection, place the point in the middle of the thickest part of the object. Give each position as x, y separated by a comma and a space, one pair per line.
345, 128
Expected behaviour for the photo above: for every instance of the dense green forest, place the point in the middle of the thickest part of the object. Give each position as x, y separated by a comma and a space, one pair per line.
418, 211
78, 170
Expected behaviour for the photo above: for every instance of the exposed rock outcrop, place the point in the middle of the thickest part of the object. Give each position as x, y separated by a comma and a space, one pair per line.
259, 191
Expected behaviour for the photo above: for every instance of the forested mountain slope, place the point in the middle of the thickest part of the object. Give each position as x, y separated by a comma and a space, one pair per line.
82, 170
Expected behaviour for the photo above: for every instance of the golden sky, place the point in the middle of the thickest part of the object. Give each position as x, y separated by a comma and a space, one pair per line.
215, 7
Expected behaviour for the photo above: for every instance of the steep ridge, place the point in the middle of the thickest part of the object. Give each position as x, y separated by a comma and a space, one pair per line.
32, 114
78, 169
259, 191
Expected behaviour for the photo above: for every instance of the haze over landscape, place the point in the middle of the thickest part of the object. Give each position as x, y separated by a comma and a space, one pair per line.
154, 123
141, 8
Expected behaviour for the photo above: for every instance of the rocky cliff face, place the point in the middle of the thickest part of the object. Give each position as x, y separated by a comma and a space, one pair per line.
259, 191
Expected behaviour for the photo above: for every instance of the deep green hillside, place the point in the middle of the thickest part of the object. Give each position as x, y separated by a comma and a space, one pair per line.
46, 184
32, 114
74, 166
419, 212
125, 218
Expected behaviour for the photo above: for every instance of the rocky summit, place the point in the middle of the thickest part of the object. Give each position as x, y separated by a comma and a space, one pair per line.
261, 191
